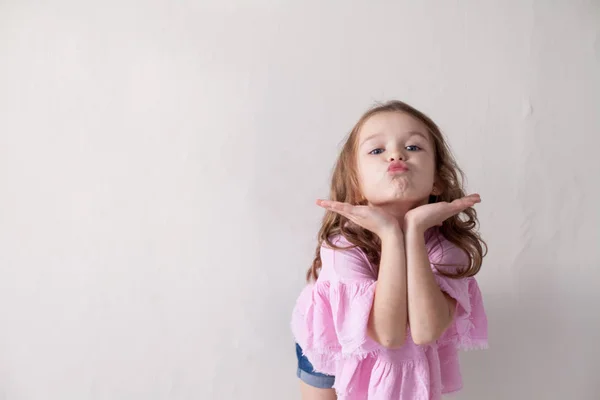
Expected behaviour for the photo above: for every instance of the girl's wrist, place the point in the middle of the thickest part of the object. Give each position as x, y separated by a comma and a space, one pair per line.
411, 227
392, 232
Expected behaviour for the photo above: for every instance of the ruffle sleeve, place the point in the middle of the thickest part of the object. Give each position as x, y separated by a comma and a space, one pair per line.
470, 327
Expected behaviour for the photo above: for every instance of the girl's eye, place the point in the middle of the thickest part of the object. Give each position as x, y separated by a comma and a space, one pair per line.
413, 148
376, 151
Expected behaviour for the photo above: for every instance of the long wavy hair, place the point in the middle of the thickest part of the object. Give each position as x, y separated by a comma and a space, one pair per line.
459, 229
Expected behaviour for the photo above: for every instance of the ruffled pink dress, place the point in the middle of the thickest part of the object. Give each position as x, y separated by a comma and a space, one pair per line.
330, 320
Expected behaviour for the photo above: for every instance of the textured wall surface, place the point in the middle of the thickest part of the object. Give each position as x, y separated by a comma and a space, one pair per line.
159, 162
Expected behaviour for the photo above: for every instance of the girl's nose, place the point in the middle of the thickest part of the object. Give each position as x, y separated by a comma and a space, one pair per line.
396, 156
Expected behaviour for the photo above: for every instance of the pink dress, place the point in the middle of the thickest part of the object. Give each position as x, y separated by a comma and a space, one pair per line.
330, 319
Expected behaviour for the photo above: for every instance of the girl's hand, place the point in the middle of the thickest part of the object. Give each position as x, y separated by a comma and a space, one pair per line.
372, 218
429, 215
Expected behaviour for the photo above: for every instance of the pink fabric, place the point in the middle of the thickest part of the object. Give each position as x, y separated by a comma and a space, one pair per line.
330, 319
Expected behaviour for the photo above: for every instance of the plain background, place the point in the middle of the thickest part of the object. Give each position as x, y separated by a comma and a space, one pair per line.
159, 162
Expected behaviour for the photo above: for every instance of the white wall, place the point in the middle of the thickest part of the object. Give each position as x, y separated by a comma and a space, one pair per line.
159, 163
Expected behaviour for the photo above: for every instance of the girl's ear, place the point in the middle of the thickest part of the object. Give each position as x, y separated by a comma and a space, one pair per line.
438, 187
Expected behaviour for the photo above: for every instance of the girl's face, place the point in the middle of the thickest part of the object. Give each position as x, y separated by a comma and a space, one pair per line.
395, 160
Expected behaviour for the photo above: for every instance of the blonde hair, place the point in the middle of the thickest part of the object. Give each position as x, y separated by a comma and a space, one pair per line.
459, 229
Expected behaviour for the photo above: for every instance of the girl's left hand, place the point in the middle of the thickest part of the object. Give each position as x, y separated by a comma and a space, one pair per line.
434, 214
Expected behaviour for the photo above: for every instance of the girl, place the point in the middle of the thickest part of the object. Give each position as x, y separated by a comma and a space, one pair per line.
391, 294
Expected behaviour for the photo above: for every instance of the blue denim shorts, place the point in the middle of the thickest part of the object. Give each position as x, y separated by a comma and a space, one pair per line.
307, 373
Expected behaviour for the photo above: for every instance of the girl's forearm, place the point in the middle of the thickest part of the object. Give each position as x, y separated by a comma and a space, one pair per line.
429, 309
388, 319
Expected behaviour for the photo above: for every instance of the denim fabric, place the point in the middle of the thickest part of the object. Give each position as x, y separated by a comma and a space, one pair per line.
307, 373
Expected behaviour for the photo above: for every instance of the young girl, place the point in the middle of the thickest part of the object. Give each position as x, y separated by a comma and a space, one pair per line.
391, 294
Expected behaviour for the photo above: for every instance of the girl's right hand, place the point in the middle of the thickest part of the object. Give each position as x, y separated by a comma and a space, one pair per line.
371, 218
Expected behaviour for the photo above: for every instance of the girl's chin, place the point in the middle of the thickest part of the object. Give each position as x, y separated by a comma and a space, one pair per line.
401, 200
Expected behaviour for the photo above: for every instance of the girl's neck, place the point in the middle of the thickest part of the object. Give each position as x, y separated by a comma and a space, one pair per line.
399, 209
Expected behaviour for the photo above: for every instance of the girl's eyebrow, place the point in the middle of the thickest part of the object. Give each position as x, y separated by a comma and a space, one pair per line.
371, 137
417, 133
377, 134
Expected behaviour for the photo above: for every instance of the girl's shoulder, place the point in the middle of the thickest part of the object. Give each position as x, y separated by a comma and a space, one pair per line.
442, 251
342, 260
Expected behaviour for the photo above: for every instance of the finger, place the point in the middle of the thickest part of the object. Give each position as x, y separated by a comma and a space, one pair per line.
329, 206
466, 202
337, 206
324, 203
474, 197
